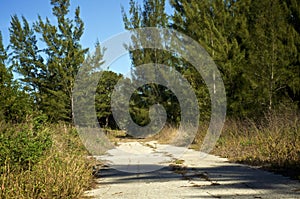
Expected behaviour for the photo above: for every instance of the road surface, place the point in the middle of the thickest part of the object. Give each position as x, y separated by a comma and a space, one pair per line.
151, 170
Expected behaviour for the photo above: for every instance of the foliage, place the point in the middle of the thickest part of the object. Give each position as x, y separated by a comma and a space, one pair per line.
23, 145
273, 144
63, 171
271, 53
254, 43
104, 91
152, 14
15, 104
84, 90
48, 74
256, 52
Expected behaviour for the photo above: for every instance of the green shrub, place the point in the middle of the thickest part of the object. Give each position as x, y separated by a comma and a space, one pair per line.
59, 167
23, 145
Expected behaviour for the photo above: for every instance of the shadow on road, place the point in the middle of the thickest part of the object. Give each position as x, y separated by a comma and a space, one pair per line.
211, 180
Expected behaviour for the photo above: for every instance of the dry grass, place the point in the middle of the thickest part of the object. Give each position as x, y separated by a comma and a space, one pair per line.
63, 172
165, 136
273, 143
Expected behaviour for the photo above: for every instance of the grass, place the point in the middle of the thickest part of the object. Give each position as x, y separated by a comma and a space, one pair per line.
165, 136
271, 143
61, 171
179, 161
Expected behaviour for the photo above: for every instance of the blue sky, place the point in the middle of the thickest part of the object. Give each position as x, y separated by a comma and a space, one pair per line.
102, 19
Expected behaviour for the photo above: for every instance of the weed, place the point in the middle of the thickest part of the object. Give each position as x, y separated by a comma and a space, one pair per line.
61, 171
178, 161
272, 143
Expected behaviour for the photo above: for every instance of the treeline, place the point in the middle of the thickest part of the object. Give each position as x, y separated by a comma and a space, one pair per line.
255, 45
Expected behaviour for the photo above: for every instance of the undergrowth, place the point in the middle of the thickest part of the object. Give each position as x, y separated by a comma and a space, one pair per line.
42, 161
272, 142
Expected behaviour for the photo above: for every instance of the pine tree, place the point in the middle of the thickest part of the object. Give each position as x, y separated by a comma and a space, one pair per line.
15, 104
5, 80
255, 45
26, 59
5, 74
150, 14
85, 88
293, 17
65, 55
92, 72
271, 53
50, 81
104, 91
220, 27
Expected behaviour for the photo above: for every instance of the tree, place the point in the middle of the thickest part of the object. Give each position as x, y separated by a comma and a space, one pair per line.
85, 88
65, 56
104, 90
5, 80
49, 80
106, 80
271, 53
220, 27
26, 59
152, 14
5, 74
15, 104
293, 17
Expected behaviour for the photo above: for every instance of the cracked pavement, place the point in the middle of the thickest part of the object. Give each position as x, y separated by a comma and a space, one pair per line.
152, 170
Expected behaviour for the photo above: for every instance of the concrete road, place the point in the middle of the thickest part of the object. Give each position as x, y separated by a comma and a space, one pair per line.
151, 170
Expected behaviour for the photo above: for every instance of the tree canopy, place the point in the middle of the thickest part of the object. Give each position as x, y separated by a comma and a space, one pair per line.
255, 45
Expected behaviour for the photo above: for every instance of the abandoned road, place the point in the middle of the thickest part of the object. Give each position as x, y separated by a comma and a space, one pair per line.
152, 170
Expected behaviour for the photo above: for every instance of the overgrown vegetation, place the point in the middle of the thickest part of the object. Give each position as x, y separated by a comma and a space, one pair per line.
254, 43
272, 143
47, 161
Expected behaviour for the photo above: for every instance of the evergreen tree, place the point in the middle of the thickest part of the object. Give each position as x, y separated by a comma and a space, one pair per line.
5, 81
26, 59
104, 90
220, 27
65, 56
92, 72
271, 53
85, 96
293, 17
50, 81
15, 104
5, 74
152, 14
255, 45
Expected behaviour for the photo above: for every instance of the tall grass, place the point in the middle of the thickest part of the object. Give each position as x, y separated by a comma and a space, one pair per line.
272, 142
62, 170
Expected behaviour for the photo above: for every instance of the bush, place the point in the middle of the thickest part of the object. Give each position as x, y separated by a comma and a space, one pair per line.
23, 145
60, 170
